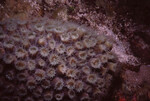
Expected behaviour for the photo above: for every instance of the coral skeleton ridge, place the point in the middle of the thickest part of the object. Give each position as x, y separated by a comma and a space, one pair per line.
52, 60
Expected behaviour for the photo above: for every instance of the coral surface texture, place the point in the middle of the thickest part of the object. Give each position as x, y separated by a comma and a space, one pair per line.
52, 60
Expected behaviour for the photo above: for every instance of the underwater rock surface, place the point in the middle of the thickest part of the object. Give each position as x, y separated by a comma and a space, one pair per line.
52, 60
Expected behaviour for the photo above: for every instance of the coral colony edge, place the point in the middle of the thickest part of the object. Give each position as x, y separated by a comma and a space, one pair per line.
53, 60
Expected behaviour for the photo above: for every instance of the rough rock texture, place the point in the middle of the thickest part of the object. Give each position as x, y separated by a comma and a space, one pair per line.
137, 84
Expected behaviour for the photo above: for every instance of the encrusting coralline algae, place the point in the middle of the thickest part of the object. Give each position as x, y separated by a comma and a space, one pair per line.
46, 59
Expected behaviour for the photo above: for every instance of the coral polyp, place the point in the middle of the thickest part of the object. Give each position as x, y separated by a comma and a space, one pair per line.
20, 53
22, 91
10, 75
20, 65
65, 37
59, 29
79, 86
2, 35
70, 84
22, 76
39, 27
71, 94
16, 37
45, 83
52, 44
29, 99
59, 96
8, 58
25, 43
86, 70
70, 50
31, 36
39, 74
79, 45
51, 72
54, 60
31, 83
11, 26
95, 63
37, 92
31, 64
42, 41
9, 44
85, 97
44, 52
92, 78
58, 83
61, 69
61, 48
74, 35
82, 55
48, 96
89, 42
33, 50
72, 61
41, 62
71, 73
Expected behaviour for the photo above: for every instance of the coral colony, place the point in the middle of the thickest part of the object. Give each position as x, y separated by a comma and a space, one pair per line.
52, 60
